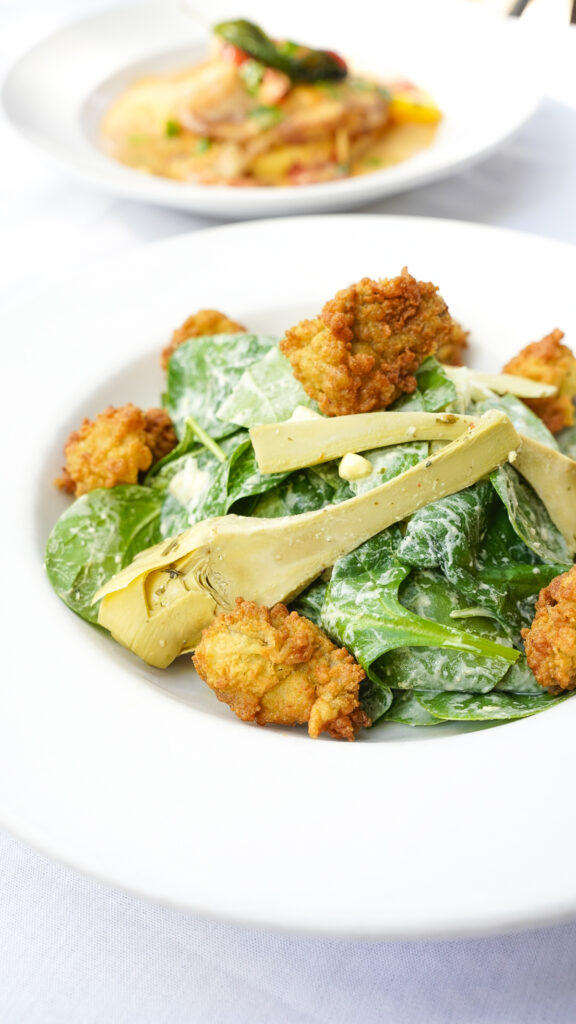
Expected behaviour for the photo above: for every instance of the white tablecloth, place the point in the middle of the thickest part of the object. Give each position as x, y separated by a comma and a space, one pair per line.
74, 951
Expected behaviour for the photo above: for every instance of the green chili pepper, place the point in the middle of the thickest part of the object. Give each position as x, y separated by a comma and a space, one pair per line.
300, 63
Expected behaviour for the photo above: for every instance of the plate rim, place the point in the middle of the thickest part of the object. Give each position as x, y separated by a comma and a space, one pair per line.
222, 202
446, 929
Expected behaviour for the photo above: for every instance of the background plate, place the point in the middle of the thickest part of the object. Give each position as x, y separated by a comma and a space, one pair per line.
163, 791
477, 65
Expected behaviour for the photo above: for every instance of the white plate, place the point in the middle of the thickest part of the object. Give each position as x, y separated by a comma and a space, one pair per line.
476, 64
143, 778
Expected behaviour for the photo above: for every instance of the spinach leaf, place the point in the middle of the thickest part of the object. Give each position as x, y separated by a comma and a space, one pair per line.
567, 441
519, 679
437, 668
203, 372
434, 385
501, 545
447, 532
525, 421
529, 516
375, 697
267, 392
189, 443
363, 611
198, 486
304, 491
309, 602
388, 463
96, 537
186, 482
485, 707
406, 709
429, 594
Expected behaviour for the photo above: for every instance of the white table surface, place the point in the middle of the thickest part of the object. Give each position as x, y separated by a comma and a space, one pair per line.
75, 951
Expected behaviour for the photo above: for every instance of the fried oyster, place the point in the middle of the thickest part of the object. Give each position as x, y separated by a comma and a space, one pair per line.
550, 362
115, 448
205, 321
274, 666
550, 642
361, 352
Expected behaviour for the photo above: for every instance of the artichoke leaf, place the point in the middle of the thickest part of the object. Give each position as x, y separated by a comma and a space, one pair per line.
501, 383
180, 585
553, 476
295, 444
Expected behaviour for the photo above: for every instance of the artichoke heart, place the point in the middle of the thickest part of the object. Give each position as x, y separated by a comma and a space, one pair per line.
159, 604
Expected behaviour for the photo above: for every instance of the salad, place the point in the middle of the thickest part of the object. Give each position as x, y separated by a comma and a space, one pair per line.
265, 112
346, 531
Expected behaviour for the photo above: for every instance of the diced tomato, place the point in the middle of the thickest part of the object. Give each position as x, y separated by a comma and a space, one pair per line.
339, 60
234, 54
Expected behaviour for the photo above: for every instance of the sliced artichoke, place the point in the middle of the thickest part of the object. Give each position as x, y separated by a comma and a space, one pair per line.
159, 604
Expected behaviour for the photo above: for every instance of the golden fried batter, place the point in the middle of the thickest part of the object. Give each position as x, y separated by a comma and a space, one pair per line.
450, 351
550, 642
361, 352
205, 321
115, 448
272, 665
551, 363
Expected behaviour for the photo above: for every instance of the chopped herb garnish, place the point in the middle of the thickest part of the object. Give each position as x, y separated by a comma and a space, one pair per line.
330, 89
251, 72
287, 47
300, 63
172, 129
203, 145
268, 116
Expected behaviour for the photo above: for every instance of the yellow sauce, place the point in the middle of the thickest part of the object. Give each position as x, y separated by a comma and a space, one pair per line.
141, 130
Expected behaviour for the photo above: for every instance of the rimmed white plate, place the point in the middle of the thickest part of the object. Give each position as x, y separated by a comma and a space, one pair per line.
143, 778
477, 66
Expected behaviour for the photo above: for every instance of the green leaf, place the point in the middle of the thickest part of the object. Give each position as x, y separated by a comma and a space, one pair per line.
309, 602
524, 420
203, 372
388, 463
437, 668
267, 392
363, 610
303, 491
96, 537
375, 697
485, 707
300, 63
199, 485
446, 533
434, 385
520, 679
529, 516
406, 709
567, 441
501, 546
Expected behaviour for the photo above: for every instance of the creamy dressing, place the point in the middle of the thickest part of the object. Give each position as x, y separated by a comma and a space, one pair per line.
142, 131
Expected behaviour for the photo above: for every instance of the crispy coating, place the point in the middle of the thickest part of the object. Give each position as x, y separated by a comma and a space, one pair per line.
205, 321
115, 448
552, 363
450, 351
160, 435
361, 352
274, 666
550, 642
